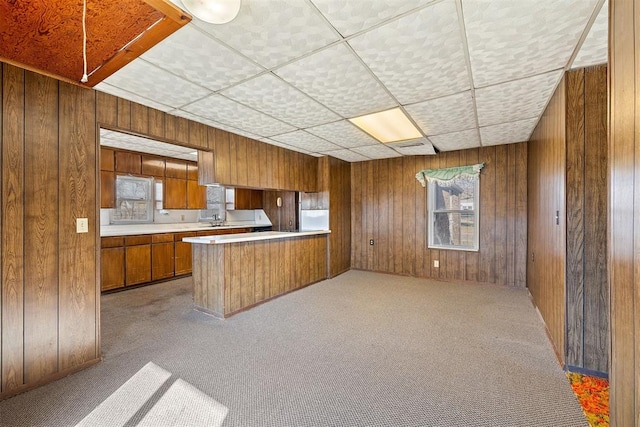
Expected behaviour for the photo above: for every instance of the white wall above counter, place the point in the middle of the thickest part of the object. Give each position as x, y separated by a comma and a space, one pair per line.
240, 219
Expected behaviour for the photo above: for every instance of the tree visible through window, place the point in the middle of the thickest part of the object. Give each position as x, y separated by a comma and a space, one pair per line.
452, 204
453, 214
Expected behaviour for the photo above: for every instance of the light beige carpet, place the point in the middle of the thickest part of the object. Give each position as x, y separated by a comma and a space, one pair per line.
363, 349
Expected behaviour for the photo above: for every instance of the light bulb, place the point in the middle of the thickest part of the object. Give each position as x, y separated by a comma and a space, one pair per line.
213, 11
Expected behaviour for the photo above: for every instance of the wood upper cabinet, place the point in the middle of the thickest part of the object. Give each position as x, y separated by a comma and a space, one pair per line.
246, 198
153, 166
175, 193
175, 168
192, 171
107, 189
196, 195
107, 159
128, 162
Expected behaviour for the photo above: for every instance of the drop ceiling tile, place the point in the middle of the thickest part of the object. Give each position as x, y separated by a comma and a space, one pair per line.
595, 48
350, 17
509, 39
212, 123
346, 155
277, 143
337, 79
507, 133
417, 151
116, 91
515, 100
456, 140
306, 141
273, 32
343, 133
419, 56
199, 58
148, 81
271, 95
376, 151
444, 115
228, 112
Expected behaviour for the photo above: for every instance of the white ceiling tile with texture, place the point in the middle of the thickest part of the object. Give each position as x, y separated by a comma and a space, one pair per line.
273, 96
515, 100
419, 56
203, 60
343, 133
456, 140
338, 80
512, 39
595, 48
223, 110
306, 141
444, 115
506, 133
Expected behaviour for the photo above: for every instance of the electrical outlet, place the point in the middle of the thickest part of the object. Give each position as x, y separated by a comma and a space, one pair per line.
371, 242
182, 217
82, 225
436, 263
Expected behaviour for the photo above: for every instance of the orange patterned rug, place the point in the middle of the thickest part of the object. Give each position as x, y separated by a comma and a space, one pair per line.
593, 395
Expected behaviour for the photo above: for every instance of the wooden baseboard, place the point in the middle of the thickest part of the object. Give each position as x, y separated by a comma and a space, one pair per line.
51, 378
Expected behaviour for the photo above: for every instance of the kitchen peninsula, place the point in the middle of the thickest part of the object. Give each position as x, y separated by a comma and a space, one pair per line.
232, 273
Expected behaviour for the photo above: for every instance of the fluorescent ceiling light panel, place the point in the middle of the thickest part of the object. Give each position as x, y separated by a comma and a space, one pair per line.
387, 126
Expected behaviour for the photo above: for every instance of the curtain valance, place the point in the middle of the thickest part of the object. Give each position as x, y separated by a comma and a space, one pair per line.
446, 175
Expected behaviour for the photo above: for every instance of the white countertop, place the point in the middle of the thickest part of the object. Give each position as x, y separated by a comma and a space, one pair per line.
250, 237
132, 229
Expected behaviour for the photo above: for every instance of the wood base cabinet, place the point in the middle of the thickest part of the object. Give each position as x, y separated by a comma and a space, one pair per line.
182, 261
112, 268
162, 256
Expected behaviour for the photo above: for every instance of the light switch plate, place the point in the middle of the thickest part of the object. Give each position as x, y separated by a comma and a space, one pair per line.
82, 225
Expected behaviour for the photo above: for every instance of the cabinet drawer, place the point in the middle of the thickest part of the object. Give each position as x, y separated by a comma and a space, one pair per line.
162, 238
111, 242
137, 240
179, 236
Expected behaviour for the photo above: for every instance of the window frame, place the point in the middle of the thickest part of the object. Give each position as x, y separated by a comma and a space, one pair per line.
431, 214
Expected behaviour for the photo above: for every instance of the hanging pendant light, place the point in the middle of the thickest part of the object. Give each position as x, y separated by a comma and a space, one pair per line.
213, 11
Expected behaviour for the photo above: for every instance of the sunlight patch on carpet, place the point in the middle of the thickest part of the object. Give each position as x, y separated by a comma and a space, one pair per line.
180, 404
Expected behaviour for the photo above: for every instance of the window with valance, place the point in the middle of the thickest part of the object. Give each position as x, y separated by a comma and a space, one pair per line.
453, 196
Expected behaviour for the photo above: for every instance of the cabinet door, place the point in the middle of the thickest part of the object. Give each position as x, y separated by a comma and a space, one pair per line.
107, 159
153, 166
183, 258
162, 260
175, 193
112, 260
128, 162
107, 189
256, 199
196, 195
175, 168
192, 171
138, 264
243, 198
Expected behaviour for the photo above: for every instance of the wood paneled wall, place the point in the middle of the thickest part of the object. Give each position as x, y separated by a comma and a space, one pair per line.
624, 211
587, 291
546, 219
239, 161
49, 293
335, 180
49, 282
388, 205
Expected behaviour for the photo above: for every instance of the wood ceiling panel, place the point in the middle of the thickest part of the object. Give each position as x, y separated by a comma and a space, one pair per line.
46, 35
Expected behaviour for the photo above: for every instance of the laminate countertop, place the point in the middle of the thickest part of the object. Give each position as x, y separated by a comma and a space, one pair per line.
251, 237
